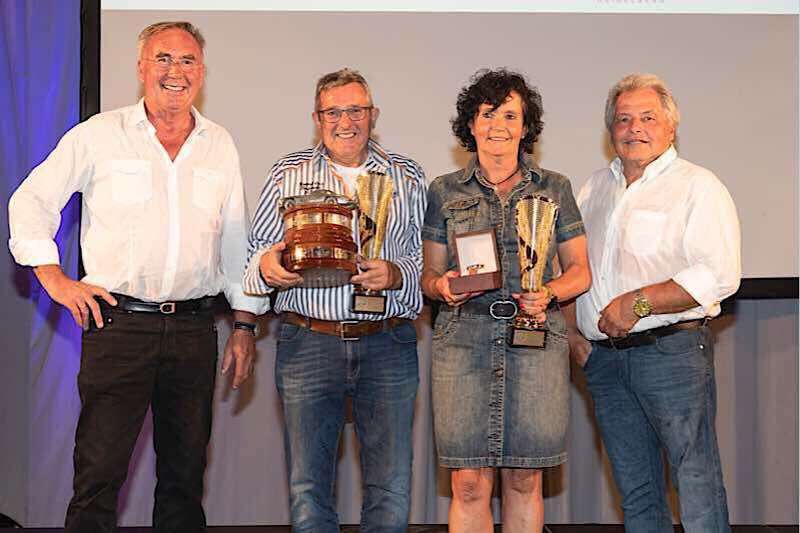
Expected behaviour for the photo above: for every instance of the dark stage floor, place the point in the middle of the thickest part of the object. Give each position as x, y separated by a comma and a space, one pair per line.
587, 528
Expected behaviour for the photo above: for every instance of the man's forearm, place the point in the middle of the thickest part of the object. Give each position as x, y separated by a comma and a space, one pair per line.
48, 275
244, 316
428, 282
668, 297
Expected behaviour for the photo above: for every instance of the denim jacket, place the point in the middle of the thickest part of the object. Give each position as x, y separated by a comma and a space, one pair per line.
463, 201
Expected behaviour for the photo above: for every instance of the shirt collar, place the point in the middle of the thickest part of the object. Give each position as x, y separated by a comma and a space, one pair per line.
378, 160
651, 171
530, 171
138, 118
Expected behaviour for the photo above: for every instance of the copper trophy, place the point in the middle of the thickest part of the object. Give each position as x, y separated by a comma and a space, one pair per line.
374, 201
319, 238
535, 221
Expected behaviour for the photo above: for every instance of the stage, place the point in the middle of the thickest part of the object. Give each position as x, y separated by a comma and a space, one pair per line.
583, 528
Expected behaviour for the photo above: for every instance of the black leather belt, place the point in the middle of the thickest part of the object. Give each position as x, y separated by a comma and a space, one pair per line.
498, 309
650, 336
135, 305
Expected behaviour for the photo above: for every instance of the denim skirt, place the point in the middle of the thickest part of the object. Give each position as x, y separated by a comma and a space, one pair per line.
494, 405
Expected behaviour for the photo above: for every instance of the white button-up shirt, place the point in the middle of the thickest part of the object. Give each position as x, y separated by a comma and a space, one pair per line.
151, 228
677, 222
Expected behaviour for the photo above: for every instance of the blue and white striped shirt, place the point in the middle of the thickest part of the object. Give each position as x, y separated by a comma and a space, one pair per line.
308, 170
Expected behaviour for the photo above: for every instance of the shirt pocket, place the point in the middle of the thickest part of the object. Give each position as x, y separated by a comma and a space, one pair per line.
644, 231
463, 215
207, 188
131, 181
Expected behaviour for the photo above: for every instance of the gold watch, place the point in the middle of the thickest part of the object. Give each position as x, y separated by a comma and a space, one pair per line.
550, 294
641, 305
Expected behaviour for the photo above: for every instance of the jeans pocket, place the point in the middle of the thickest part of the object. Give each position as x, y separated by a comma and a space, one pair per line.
685, 357
404, 334
289, 332
555, 323
445, 326
680, 343
588, 363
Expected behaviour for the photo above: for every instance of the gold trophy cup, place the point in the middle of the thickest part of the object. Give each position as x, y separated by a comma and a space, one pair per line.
535, 221
374, 197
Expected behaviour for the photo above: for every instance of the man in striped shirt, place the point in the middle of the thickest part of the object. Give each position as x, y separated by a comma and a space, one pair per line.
326, 352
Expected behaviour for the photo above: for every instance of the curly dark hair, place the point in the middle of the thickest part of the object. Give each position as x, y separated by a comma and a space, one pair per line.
493, 87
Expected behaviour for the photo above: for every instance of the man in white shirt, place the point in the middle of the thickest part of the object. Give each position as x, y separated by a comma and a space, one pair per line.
664, 248
163, 231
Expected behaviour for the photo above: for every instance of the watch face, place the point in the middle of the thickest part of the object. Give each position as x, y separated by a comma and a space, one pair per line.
641, 307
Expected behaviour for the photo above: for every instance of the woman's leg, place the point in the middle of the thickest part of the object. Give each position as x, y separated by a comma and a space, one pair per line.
472, 491
523, 506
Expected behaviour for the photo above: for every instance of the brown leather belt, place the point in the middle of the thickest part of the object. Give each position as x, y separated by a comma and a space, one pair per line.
348, 330
650, 336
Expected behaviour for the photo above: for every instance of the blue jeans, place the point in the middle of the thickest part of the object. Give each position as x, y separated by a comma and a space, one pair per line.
654, 398
314, 373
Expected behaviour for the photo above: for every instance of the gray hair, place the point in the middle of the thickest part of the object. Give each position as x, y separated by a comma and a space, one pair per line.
339, 78
632, 82
158, 27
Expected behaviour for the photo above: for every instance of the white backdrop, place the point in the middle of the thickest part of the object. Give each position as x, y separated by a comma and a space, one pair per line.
735, 78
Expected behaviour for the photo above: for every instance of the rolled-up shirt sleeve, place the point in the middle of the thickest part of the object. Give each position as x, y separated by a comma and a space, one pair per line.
410, 263
233, 241
712, 244
435, 228
267, 229
34, 210
569, 224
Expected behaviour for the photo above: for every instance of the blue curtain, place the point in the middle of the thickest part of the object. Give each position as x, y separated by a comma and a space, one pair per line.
39, 101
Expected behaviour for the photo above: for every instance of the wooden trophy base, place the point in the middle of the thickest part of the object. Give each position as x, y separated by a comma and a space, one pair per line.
527, 338
367, 302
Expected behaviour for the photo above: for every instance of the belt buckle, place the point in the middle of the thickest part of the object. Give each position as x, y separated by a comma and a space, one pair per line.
167, 308
342, 326
498, 316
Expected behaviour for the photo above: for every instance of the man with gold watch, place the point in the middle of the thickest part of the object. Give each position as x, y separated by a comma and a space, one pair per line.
664, 249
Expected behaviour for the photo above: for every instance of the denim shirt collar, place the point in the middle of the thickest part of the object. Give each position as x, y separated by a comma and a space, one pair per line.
530, 172
378, 160
651, 171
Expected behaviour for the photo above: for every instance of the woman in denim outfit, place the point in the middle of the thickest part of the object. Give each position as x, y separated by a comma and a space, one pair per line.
497, 406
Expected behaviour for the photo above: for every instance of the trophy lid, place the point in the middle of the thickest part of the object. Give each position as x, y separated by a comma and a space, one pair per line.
319, 196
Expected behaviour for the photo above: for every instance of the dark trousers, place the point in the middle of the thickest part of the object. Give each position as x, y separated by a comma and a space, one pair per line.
137, 360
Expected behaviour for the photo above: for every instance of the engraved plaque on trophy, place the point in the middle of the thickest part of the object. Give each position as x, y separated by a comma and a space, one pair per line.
374, 199
478, 264
535, 222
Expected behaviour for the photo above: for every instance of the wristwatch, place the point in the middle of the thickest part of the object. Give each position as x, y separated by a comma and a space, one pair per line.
247, 326
550, 294
641, 305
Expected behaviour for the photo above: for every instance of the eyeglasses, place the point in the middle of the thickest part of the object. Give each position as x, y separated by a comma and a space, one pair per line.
334, 114
165, 62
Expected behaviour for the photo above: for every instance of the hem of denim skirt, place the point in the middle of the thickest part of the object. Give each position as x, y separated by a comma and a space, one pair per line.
503, 462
